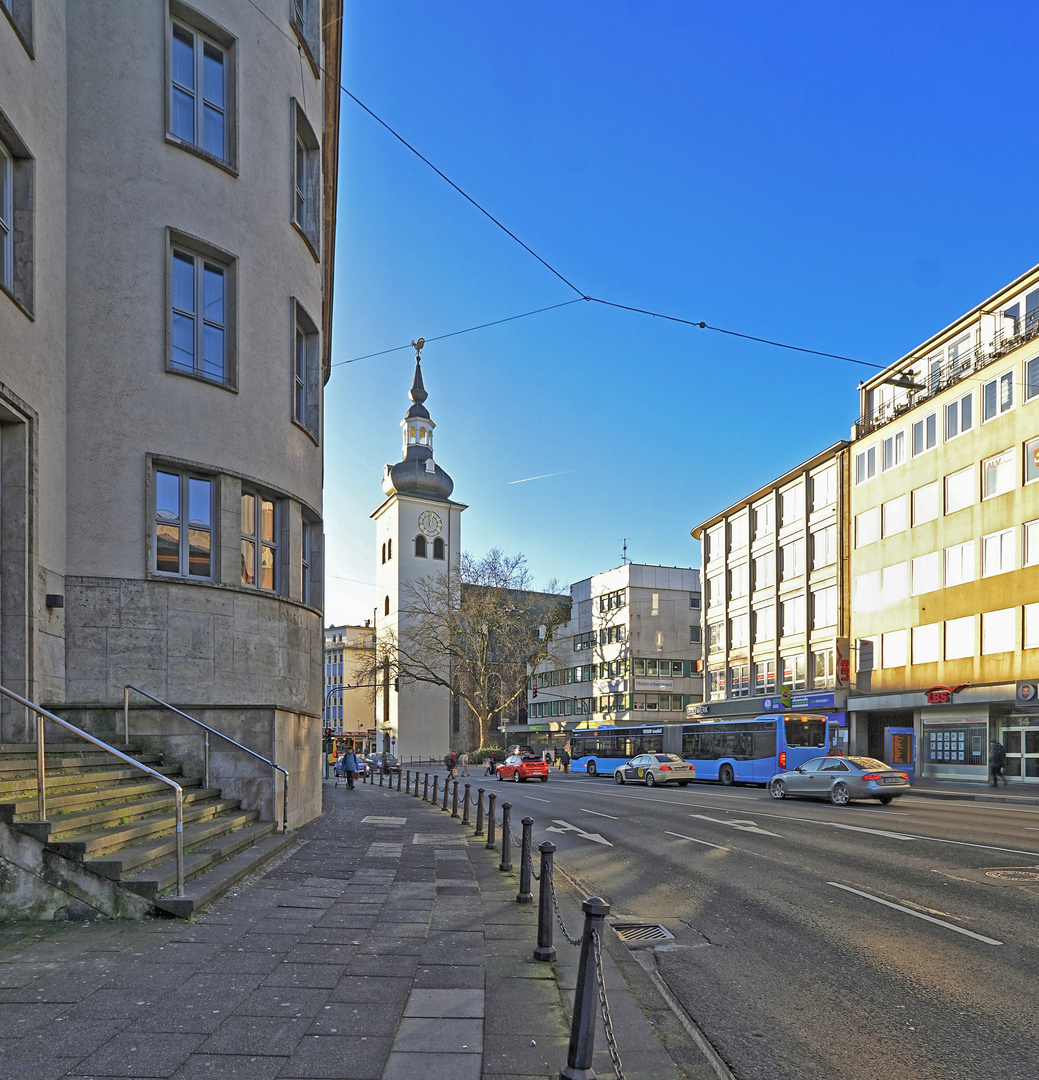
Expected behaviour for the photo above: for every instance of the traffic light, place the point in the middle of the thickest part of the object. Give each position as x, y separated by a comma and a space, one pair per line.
396, 683
534, 694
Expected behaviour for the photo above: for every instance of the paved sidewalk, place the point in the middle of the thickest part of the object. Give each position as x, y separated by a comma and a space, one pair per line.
385, 944
978, 791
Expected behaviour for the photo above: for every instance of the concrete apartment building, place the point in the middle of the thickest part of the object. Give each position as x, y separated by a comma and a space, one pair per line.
167, 211
944, 544
776, 613
348, 708
629, 655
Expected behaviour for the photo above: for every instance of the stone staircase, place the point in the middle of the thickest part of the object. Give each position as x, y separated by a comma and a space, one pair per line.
117, 823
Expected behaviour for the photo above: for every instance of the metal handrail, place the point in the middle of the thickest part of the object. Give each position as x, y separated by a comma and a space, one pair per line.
209, 731
42, 714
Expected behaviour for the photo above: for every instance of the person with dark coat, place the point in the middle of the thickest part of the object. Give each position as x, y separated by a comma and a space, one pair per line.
350, 766
997, 758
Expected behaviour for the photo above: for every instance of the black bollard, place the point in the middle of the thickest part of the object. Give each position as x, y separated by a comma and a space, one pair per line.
425, 788
407, 784
465, 805
479, 812
490, 819
380, 777
447, 780
454, 798
506, 837
436, 780
398, 779
525, 895
545, 950
586, 995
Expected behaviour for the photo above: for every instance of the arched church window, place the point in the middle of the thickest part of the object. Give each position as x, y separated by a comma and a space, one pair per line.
420, 547
389, 549
387, 606
438, 548
383, 552
421, 434
411, 434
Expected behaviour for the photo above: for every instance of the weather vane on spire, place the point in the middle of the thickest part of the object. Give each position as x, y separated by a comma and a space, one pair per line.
417, 346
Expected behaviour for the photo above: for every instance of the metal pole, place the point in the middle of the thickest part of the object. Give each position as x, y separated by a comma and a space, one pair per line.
436, 780
586, 995
407, 783
180, 841
41, 771
425, 789
525, 895
506, 837
454, 798
444, 807
207, 758
490, 819
126, 715
545, 950
284, 802
465, 805
479, 812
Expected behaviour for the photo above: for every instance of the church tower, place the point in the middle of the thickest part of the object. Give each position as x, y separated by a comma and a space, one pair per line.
417, 534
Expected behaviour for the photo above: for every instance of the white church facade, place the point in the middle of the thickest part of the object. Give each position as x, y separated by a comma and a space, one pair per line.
417, 534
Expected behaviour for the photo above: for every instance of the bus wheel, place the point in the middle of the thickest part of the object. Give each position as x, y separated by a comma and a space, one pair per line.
591, 768
725, 775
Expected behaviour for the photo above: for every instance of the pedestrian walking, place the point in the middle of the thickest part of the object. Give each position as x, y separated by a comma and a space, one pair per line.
488, 766
565, 757
350, 766
452, 764
465, 763
997, 758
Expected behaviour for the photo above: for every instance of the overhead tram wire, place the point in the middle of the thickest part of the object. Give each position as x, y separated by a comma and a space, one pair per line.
530, 251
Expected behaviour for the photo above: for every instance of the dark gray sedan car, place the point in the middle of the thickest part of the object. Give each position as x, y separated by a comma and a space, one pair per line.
841, 779
653, 769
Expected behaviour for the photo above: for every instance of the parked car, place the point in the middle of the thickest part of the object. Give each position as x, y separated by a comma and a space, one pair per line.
841, 779
522, 767
385, 763
653, 769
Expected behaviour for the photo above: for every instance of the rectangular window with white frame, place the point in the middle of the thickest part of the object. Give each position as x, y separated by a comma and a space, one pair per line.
997, 553
893, 516
997, 396
824, 488
926, 642
824, 547
791, 505
824, 607
17, 219
925, 434
926, 503
867, 527
959, 563
925, 573
865, 592
765, 677
959, 638
306, 175
201, 86
1032, 378
823, 672
260, 526
739, 680
764, 623
738, 533
1031, 461
959, 416
694, 634
893, 450
1030, 543
998, 631
894, 583
998, 474
763, 519
738, 635
763, 571
306, 372
865, 465
1030, 639
959, 490
202, 329
791, 560
792, 616
893, 649
738, 581
794, 671
182, 540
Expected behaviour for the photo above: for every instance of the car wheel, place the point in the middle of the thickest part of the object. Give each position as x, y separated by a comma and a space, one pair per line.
777, 788
683, 783
839, 794
544, 779
516, 776
726, 776
591, 768
498, 774
885, 799
650, 780
619, 776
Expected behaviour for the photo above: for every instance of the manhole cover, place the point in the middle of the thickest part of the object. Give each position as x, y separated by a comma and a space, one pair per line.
642, 932
1014, 875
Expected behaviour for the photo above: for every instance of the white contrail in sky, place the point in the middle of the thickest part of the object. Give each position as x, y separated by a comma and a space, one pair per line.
543, 476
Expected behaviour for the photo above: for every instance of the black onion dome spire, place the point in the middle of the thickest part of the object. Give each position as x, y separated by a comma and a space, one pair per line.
417, 473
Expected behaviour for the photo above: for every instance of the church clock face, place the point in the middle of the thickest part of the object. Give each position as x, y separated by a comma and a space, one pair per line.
430, 523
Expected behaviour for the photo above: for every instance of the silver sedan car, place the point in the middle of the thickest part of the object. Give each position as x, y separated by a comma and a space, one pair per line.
653, 769
841, 779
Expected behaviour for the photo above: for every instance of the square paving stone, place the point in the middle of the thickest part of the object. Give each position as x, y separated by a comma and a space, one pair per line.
449, 977
140, 1055
383, 965
283, 1001
319, 1056
355, 1018
229, 1067
257, 1035
72, 1038
389, 991
513, 1054
423, 1034
324, 953
401, 1066
313, 976
454, 1003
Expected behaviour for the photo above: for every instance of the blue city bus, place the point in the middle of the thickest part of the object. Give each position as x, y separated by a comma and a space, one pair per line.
752, 751
727, 751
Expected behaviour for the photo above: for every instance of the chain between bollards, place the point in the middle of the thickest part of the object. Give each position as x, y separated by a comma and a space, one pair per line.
490, 819
454, 798
582, 1028
506, 837
465, 805
525, 895
479, 812
604, 1008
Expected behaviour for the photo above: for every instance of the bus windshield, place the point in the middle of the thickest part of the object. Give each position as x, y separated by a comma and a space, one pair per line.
805, 731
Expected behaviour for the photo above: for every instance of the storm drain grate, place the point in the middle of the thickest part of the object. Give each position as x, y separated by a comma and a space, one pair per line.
642, 932
1024, 876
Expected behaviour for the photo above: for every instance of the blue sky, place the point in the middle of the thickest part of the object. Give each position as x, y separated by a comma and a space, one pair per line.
849, 178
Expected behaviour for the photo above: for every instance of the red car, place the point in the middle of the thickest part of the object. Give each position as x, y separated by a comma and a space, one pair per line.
517, 768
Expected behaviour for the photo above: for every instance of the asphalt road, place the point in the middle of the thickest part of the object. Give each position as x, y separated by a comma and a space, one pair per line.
814, 941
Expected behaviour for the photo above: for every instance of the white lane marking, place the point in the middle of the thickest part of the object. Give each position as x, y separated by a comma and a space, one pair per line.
916, 914
597, 814
743, 826
535, 798
696, 840
872, 832
567, 827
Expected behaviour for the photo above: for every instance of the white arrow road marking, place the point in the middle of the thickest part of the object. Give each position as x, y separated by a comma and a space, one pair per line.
873, 832
695, 840
597, 814
567, 827
743, 826
917, 914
